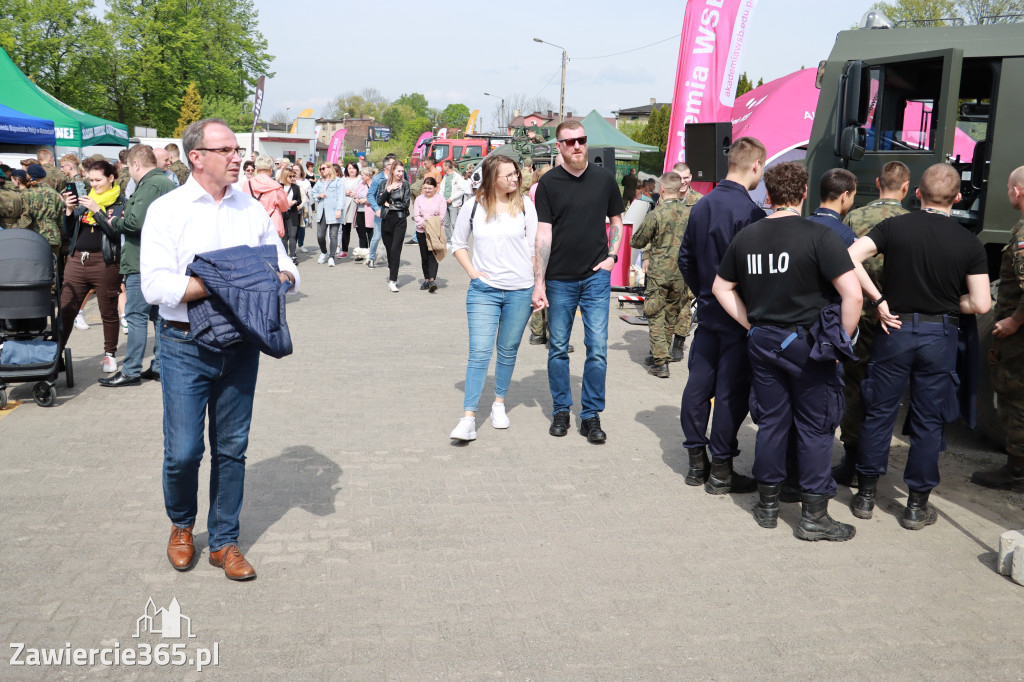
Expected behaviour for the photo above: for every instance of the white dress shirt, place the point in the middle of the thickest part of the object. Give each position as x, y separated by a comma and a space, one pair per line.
188, 221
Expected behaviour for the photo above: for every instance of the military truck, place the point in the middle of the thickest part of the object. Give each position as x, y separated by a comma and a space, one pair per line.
938, 94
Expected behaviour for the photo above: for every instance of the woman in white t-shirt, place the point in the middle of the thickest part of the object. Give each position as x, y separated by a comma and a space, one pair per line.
504, 229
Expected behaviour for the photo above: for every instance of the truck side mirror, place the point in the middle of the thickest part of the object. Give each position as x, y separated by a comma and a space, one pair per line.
856, 85
852, 144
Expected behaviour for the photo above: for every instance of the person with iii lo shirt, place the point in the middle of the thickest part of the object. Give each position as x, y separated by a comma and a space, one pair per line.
930, 260
779, 279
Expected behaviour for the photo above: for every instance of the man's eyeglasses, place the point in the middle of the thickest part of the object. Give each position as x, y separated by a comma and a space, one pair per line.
581, 141
223, 151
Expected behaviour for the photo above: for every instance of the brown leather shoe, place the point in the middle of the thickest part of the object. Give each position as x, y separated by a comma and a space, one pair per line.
230, 558
180, 548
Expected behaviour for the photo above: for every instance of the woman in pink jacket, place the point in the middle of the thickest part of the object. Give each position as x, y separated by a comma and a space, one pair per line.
428, 204
265, 189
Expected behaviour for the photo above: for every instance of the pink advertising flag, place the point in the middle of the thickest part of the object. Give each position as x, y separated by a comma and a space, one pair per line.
334, 148
714, 33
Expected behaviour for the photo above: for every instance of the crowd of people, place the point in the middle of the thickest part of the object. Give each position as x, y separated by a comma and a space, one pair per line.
788, 306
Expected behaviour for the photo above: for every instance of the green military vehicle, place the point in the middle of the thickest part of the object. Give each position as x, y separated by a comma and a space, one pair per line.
938, 94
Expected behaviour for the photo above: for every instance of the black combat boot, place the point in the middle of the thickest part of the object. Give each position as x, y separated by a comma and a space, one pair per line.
1010, 476
790, 491
766, 512
863, 503
918, 513
816, 524
724, 480
660, 371
700, 467
678, 350
844, 473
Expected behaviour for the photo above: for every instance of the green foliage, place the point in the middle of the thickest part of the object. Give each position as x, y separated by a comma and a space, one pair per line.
633, 130
971, 11
369, 103
191, 109
455, 116
656, 131
238, 113
416, 102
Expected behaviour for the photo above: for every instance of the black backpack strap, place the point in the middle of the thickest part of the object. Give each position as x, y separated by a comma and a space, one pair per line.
472, 214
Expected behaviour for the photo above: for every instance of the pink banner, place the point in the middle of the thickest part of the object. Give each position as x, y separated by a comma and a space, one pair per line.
710, 50
336, 145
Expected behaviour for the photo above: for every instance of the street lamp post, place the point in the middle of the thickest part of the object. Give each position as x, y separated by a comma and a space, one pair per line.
504, 123
565, 59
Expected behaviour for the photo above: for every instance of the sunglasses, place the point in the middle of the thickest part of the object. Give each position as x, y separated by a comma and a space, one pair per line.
572, 142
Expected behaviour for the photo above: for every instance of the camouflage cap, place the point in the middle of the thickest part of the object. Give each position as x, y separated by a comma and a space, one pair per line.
98, 157
36, 172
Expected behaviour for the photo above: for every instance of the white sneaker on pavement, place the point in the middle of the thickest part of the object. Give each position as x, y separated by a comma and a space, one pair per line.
322, 259
330, 262
465, 430
108, 364
124, 325
303, 249
80, 322
498, 417
393, 287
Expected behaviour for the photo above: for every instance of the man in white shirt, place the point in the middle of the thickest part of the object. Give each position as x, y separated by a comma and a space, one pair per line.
204, 214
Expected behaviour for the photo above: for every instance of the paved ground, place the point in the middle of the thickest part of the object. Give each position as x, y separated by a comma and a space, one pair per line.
386, 553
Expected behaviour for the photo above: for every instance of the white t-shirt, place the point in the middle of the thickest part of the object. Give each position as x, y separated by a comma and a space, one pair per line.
503, 247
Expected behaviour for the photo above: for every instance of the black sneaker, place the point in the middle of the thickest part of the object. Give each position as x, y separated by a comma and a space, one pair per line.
591, 428
425, 285
432, 288
559, 424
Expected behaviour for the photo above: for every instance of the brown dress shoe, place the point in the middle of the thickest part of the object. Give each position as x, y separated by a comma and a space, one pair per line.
230, 558
180, 548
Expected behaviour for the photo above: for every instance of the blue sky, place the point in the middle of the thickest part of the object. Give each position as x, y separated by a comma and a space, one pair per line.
454, 52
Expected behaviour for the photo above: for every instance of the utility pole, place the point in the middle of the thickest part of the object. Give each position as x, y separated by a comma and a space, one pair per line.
565, 61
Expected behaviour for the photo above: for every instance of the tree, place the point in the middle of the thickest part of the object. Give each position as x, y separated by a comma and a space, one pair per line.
416, 102
455, 116
634, 130
238, 113
369, 104
971, 11
656, 131
743, 85
974, 11
191, 109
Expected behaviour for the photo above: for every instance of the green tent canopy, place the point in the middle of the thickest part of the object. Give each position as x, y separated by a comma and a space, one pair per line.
601, 133
74, 128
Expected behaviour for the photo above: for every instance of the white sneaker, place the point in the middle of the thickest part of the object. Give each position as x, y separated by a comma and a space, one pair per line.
393, 287
124, 325
464, 430
80, 322
498, 417
108, 364
330, 262
322, 259
303, 249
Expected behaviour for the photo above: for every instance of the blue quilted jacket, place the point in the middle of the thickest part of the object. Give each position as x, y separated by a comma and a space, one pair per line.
246, 301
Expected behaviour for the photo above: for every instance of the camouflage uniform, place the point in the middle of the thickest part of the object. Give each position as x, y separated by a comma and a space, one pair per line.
861, 220
123, 178
44, 212
683, 320
539, 323
1006, 357
11, 207
55, 177
180, 169
663, 229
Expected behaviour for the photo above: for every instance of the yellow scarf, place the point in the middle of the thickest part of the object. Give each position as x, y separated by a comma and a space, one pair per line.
105, 200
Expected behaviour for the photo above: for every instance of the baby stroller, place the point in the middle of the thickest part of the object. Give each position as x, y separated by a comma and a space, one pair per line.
30, 326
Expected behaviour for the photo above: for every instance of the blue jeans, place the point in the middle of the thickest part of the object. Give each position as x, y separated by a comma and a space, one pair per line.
494, 315
138, 313
922, 354
375, 239
591, 296
196, 382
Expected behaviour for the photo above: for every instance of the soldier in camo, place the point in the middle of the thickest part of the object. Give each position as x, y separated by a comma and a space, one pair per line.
44, 208
177, 167
662, 230
55, 177
893, 184
1006, 357
123, 175
685, 315
11, 206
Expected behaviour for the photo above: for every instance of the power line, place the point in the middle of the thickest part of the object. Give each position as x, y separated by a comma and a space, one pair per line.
548, 83
642, 47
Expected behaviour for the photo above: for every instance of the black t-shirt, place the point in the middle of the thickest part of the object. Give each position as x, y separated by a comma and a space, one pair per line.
927, 259
784, 269
576, 209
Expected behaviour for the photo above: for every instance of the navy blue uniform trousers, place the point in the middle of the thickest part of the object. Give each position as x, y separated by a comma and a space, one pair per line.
923, 354
797, 404
718, 368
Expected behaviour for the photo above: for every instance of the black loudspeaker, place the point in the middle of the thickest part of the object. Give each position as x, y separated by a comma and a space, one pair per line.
707, 150
602, 156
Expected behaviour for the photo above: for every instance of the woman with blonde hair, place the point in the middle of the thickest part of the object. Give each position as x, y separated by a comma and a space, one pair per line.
504, 228
329, 193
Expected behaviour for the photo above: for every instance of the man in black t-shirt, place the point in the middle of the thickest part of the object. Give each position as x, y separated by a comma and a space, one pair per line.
575, 256
930, 259
775, 278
